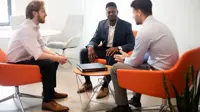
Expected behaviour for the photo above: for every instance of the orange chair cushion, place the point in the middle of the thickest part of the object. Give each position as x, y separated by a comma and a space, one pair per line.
17, 74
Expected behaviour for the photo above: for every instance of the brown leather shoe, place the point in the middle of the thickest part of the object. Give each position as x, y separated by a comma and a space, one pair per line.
85, 87
60, 95
54, 106
102, 93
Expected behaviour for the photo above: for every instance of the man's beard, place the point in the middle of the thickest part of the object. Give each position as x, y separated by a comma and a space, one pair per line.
112, 20
40, 20
138, 23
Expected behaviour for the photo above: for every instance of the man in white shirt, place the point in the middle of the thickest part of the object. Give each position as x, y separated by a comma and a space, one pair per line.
115, 34
27, 47
154, 38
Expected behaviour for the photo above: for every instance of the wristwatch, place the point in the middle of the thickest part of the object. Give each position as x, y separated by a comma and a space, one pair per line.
120, 48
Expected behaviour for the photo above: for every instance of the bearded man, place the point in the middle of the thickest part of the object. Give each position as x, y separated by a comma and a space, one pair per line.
27, 47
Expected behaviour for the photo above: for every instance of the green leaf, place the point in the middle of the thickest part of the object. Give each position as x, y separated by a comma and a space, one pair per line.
195, 82
167, 94
178, 99
192, 72
189, 100
196, 98
192, 91
187, 91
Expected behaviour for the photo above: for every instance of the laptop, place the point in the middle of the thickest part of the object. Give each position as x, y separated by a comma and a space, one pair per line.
91, 67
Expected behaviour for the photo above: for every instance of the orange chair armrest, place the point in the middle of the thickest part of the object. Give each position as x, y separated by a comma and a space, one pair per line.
17, 74
102, 61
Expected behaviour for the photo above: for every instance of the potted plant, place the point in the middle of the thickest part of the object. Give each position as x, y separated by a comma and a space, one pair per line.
188, 101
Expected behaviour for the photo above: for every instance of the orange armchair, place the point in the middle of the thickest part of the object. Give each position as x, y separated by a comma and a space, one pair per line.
151, 82
17, 75
103, 61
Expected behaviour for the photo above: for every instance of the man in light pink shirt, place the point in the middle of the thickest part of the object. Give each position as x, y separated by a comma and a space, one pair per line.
27, 47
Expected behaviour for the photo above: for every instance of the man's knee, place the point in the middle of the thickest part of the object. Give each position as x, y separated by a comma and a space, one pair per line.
56, 64
110, 60
48, 63
118, 66
83, 51
84, 56
114, 68
48, 68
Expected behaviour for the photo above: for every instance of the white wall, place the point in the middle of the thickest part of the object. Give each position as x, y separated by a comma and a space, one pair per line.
57, 12
181, 16
18, 7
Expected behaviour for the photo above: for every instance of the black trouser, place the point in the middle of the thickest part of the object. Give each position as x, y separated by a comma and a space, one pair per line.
101, 53
48, 70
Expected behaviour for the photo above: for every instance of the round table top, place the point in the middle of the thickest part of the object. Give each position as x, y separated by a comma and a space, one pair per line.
99, 73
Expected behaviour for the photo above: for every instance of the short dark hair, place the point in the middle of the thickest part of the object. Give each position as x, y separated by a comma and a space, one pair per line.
111, 4
34, 5
144, 5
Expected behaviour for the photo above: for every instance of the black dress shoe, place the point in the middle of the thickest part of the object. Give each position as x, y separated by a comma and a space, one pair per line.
135, 102
120, 109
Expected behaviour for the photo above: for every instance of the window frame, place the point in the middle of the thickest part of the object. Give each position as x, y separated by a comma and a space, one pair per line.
9, 14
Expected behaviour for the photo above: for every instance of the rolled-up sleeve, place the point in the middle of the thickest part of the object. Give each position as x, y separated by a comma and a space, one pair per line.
28, 39
142, 44
42, 44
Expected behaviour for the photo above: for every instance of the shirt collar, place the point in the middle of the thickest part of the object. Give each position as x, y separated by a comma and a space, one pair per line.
114, 25
148, 19
31, 23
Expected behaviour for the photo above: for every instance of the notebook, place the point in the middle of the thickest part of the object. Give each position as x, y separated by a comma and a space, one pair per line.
91, 67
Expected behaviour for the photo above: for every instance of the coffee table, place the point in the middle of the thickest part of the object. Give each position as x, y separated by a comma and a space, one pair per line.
78, 73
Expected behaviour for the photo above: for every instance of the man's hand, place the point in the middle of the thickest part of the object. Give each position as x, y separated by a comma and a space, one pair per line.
119, 58
59, 55
111, 51
55, 57
124, 54
91, 54
61, 59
